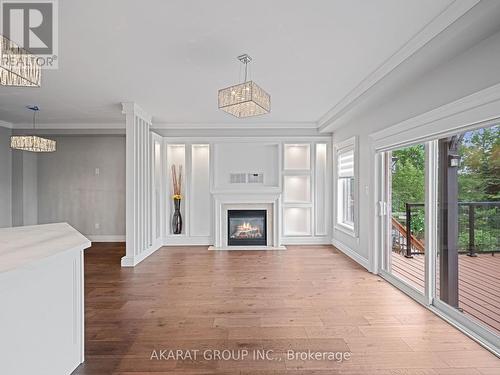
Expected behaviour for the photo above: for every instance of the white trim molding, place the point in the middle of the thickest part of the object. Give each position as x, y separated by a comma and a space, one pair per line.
328, 122
182, 240
129, 108
346, 145
224, 202
8, 125
474, 110
70, 126
350, 253
234, 125
309, 240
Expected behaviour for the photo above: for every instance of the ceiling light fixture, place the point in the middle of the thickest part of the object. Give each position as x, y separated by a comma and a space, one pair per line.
32, 143
245, 99
18, 67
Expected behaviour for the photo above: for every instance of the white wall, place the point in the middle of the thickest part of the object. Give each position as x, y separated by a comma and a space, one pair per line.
70, 190
469, 72
24, 188
5, 178
239, 157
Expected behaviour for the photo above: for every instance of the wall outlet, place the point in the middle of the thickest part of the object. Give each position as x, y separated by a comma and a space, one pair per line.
97, 225
97, 171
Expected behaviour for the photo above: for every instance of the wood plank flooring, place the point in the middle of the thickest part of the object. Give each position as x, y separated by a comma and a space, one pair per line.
478, 283
305, 298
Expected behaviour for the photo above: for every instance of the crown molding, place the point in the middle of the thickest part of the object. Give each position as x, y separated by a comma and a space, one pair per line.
328, 122
233, 125
5, 124
473, 110
69, 126
132, 108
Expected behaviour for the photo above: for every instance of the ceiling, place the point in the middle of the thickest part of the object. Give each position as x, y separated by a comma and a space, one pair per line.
171, 57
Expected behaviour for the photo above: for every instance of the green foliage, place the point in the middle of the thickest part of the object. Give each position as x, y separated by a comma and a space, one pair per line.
418, 222
408, 177
479, 173
478, 181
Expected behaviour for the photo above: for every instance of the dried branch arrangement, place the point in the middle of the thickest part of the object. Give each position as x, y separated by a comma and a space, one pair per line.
177, 181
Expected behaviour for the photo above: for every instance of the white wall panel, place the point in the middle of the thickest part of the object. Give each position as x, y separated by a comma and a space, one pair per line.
297, 221
252, 157
200, 197
158, 200
321, 198
297, 189
297, 157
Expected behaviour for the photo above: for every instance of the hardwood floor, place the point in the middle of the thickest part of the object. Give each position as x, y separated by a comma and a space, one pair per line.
306, 298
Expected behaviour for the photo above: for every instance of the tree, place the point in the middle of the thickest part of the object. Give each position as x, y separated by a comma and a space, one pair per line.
479, 173
408, 184
408, 177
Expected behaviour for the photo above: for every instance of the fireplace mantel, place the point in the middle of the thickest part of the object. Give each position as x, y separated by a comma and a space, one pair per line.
240, 201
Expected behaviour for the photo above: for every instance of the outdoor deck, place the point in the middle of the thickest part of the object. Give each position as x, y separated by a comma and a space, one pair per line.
479, 283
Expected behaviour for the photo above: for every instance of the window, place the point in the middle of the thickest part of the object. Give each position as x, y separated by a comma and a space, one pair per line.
346, 186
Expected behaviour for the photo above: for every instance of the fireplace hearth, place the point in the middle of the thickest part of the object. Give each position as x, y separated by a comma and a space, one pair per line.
247, 227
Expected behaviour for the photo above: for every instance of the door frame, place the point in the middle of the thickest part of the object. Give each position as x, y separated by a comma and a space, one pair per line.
383, 220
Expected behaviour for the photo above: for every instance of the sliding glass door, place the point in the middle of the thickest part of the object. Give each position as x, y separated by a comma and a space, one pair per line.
439, 215
405, 219
467, 258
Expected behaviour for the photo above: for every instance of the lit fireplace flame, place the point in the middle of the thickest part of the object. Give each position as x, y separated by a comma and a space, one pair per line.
246, 230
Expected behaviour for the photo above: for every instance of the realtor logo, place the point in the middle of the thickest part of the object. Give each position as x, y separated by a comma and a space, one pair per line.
32, 25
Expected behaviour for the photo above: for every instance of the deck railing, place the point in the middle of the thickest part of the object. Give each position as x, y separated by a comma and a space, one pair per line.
478, 229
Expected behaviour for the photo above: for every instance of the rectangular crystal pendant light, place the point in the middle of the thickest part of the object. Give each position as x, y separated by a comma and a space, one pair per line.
32, 143
245, 99
18, 67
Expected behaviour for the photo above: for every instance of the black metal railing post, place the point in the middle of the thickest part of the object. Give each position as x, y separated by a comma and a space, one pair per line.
472, 225
408, 231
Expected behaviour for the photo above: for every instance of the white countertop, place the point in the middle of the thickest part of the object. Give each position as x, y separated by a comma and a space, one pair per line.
20, 246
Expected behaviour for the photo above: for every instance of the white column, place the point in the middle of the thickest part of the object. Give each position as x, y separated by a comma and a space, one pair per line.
139, 185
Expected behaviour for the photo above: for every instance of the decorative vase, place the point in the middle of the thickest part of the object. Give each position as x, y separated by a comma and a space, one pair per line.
177, 217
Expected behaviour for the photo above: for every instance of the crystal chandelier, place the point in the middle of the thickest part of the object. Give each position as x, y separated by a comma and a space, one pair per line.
245, 99
18, 67
32, 143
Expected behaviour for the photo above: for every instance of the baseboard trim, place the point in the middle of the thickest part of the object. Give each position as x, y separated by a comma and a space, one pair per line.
106, 238
132, 261
306, 240
182, 240
350, 253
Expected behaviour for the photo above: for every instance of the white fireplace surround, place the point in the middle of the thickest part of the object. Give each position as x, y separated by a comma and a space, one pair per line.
225, 202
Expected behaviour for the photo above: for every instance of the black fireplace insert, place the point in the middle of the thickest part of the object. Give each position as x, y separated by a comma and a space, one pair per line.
246, 227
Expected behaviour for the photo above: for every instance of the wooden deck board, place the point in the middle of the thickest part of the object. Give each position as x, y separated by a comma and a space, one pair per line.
479, 284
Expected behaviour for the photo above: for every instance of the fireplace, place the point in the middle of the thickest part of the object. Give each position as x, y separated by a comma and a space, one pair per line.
246, 227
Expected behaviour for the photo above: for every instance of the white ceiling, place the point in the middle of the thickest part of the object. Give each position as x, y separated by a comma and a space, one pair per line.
171, 57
